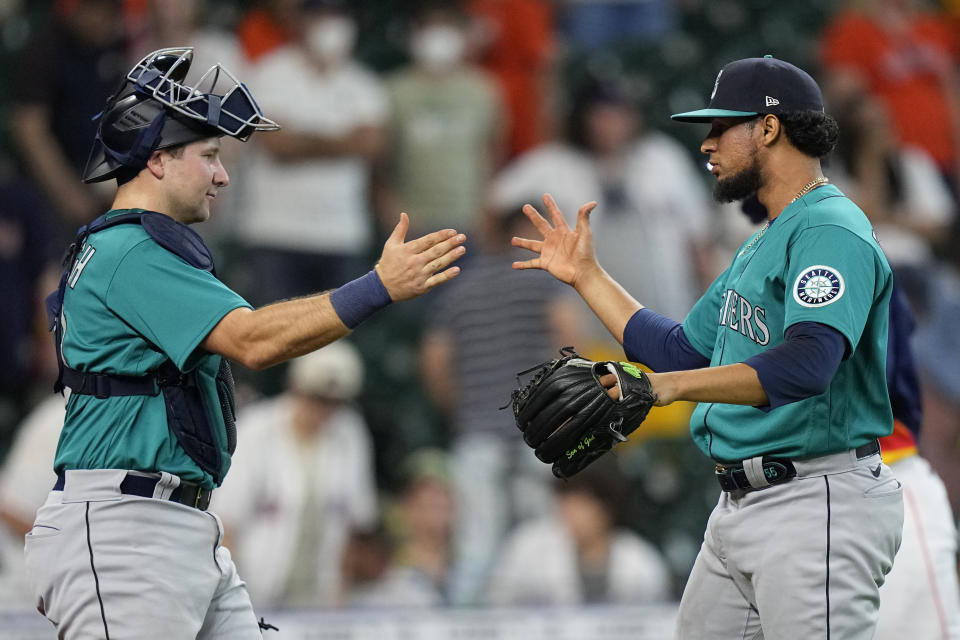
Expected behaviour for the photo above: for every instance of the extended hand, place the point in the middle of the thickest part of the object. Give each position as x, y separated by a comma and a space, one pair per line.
410, 269
564, 252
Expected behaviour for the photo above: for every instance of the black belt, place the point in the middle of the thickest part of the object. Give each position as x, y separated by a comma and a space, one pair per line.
192, 495
732, 477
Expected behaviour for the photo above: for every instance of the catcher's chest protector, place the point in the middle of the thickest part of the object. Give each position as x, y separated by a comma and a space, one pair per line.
187, 413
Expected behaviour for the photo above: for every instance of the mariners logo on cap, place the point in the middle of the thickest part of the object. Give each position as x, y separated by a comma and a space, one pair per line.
817, 286
716, 84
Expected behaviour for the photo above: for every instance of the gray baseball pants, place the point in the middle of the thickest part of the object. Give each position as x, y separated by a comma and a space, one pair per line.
800, 559
107, 565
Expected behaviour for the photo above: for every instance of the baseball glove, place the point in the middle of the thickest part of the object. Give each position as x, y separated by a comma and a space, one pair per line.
568, 418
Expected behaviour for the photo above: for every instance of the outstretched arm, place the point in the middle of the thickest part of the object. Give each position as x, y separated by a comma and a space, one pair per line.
800, 367
730, 384
568, 255
283, 330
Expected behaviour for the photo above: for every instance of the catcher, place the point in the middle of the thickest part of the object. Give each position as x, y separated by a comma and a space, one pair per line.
124, 546
785, 355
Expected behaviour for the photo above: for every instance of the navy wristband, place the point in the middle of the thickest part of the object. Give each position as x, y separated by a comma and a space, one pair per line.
357, 300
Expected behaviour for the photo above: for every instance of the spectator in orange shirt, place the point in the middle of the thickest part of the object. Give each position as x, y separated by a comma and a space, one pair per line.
515, 43
269, 25
908, 58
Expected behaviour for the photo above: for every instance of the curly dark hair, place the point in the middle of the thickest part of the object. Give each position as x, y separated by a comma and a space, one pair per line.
812, 132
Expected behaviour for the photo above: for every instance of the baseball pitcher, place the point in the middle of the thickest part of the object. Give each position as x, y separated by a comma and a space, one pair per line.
785, 355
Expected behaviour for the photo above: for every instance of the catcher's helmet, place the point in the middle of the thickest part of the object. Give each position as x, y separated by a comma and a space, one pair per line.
153, 109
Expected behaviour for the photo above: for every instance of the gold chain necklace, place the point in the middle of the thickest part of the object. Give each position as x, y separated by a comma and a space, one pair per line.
810, 186
756, 238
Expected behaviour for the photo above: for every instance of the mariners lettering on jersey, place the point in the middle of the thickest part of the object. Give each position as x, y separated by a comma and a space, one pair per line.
738, 314
818, 286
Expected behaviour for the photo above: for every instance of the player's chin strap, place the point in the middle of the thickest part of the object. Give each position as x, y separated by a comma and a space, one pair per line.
186, 412
146, 141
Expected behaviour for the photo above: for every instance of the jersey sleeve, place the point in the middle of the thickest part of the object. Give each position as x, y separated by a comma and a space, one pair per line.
703, 321
172, 304
831, 278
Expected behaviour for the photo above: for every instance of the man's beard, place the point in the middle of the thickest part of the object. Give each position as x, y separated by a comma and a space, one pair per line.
739, 185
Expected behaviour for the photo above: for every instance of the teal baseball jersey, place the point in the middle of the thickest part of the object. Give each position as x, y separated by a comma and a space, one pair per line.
129, 305
817, 262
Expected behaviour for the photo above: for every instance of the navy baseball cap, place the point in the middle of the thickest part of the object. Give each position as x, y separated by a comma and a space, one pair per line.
755, 86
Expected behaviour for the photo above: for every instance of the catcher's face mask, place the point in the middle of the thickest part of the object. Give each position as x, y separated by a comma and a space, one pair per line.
232, 112
155, 109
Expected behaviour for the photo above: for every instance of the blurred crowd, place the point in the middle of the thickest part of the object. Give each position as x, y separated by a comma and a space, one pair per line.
382, 471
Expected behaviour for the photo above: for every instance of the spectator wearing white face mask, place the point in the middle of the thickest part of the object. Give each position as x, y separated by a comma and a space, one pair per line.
446, 129
308, 224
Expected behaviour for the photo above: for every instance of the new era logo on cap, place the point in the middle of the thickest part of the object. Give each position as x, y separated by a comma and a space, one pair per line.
747, 88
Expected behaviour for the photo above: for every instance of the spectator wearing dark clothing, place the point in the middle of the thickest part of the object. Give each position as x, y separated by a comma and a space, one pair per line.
63, 76
24, 251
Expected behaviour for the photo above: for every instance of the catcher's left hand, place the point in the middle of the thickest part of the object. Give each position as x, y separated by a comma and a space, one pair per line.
567, 416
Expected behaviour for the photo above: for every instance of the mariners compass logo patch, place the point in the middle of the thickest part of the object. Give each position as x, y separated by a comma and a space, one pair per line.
817, 286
